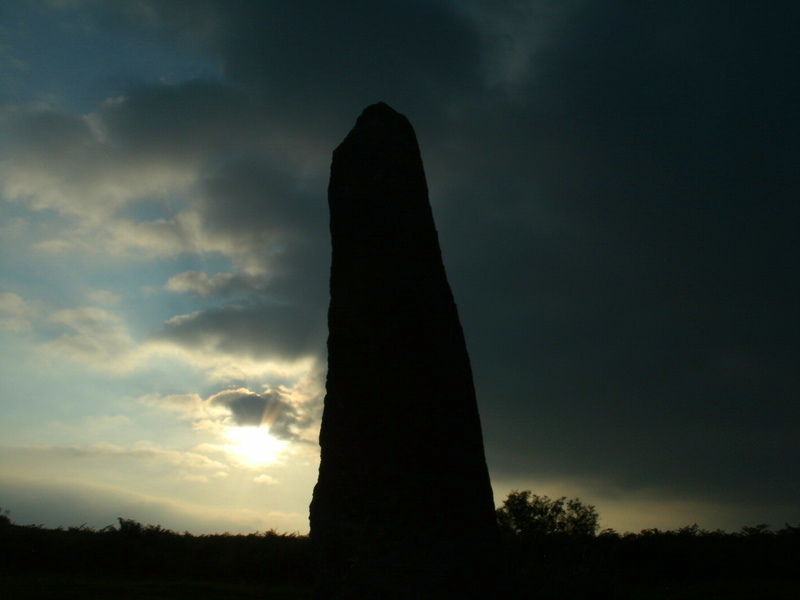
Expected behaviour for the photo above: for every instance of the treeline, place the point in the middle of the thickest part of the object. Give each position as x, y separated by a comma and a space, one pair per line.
570, 561
134, 550
552, 550
684, 563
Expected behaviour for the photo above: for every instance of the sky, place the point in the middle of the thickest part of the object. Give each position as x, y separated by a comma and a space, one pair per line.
615, 186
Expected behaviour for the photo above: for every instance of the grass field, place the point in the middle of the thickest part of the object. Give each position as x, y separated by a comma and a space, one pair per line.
52, 587
745, 589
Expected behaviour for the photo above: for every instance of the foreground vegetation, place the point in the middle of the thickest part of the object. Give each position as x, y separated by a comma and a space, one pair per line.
133, 560
550, 550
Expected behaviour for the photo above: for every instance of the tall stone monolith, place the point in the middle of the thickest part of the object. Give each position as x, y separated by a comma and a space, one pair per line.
403, 506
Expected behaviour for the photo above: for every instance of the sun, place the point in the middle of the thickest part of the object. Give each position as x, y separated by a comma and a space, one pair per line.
254, 446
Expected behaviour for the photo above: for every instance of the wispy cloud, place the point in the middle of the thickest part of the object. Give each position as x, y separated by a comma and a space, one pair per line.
223, 284
16, 313
93, 336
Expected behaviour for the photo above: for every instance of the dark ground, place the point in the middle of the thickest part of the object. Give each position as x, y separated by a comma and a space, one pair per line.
134, 561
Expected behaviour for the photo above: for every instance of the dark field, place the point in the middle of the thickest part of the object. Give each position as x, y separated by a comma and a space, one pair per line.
31, 586
134, 561
28, 586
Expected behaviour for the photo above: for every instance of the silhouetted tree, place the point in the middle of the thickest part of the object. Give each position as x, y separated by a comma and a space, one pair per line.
526, 514
760, 529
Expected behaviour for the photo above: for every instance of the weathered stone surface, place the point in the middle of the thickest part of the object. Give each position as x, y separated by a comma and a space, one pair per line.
403, 506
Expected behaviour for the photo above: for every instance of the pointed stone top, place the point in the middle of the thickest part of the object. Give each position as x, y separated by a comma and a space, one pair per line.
380, 127
380, 107
381, 115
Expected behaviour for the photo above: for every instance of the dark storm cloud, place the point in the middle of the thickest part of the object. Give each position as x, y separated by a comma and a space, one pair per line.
640, 235
258, 330
43, 130
352, 51
257, 205
254, 207
250, 196
317, 62
134, 146
177, 121
158, 141
249, 409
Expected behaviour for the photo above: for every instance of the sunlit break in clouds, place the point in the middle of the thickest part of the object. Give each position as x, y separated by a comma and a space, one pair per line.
254, 446
615, 189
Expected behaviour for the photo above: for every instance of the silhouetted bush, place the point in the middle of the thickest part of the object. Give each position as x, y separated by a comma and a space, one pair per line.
528, 515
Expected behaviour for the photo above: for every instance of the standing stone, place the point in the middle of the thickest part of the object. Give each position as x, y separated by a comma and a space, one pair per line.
403, 506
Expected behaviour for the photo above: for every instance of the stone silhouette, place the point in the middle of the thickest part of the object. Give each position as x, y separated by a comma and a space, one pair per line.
403, 506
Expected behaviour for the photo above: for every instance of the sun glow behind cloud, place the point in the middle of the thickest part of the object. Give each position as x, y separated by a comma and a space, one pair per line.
253, 446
